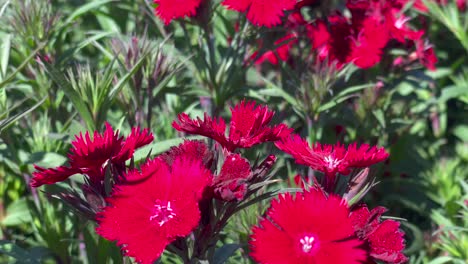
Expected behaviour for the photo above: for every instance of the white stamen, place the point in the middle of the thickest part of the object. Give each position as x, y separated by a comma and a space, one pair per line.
162, 213
332, 162
307, 243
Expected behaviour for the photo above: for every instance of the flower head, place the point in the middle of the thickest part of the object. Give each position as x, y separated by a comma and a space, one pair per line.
331, 159
231, 181
261, 12
308, 228
154, 207
168, 10
248, 127
384, 238
192, 149
92, 156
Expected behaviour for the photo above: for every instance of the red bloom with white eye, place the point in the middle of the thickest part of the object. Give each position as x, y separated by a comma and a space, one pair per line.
384, 238
231, 183
266, 13
168, 10
154, 207
248, 127
309, 228
331, 159
92, 156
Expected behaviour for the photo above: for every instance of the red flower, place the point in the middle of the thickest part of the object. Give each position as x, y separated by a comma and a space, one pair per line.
309, 228
461, 4
168, 10
261, 12
92, 156
192, 149
159, 204
385, 239
426, 54
331, 159
249, 126
231, 182
281, 52
367, 50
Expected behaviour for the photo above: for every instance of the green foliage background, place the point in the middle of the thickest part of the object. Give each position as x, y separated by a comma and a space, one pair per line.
69, 66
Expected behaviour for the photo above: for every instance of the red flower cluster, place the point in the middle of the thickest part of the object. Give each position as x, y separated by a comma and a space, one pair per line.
384, 238
154, 207
91, 157
362, 38
359, 39
309, 228
331, 159
248, 127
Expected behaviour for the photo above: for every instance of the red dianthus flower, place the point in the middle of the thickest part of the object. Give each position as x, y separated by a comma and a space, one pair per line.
248, 127
384, 238
92, 156
266, 13
331, 159
168, 10
309, 228
231, 182
158, 204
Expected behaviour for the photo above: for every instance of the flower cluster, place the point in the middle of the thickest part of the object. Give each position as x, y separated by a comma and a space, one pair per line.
360, 39
191, 191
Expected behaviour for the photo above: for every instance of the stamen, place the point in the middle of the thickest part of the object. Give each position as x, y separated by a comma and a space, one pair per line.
332, 162
307, 243
162, 213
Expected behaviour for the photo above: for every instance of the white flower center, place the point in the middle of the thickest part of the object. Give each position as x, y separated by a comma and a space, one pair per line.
332, 162
162, 213
307, 243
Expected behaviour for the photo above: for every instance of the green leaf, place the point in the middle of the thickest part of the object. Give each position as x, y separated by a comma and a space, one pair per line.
452, 92
3, 8
85, 9
68, 54
343, 96
30, 256
223, 253
9, 121
22, 65
4, 55
72, 94
47, 160
441, 260
116, 89
17, 213
379, 115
